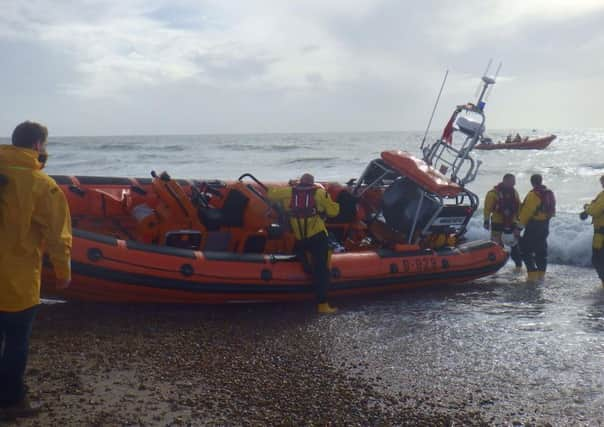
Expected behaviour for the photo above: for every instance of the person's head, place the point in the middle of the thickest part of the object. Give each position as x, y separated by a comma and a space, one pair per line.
30, 135
509, 180
536, 180
307, 179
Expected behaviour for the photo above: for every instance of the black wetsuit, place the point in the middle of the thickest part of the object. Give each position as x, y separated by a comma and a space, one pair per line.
317, 247
533, 245
597, 257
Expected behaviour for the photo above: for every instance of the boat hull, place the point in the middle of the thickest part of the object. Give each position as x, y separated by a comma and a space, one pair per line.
531, 144
105, 269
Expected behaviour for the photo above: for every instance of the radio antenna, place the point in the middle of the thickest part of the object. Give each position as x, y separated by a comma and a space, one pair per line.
434, 109
486, 97
486, 70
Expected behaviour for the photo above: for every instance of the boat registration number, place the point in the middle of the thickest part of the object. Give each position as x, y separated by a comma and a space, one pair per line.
420, 265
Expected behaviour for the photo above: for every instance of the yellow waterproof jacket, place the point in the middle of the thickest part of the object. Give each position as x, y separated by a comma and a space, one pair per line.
34, 215
596, 210
314, 224
529, 210
490, 201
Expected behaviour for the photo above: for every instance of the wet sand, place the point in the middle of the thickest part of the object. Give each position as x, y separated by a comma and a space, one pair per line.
107, 365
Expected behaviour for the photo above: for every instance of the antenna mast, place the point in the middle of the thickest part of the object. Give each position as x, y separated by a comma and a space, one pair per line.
434, 109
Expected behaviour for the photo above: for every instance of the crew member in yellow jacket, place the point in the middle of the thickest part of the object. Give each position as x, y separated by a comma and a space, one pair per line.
306, 203
501, 206
596, 210
34, 216
538, 207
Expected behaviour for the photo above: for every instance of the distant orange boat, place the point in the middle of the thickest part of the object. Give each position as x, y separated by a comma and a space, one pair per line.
525, 144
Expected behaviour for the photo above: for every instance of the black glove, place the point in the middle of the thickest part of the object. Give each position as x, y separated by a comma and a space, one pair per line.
583, 216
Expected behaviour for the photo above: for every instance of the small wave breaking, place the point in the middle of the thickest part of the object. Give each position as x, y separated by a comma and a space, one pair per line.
569, 241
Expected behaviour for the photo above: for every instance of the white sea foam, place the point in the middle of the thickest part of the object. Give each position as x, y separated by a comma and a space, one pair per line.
569, 240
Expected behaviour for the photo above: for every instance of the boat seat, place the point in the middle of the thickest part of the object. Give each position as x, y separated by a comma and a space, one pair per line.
211, 218
229, 215
233, 208
340, 224
348, 208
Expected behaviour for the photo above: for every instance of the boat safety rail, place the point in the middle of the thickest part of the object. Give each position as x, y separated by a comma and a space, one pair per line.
360, 186
253, 178
255, 191
451, 160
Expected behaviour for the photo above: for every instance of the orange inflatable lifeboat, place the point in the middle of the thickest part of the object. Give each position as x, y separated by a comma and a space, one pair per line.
526, 144
160, 240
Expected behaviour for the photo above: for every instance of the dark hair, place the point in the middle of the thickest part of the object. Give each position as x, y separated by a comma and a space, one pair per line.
508, 176
536, 179
28, 133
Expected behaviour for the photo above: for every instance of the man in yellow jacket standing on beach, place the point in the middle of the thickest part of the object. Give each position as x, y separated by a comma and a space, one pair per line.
596, 210
538, 207
305, 203
34, 216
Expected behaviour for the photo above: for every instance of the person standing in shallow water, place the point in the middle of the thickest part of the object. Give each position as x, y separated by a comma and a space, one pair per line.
538, 207
595, 209
33, 214
306, 203
501, 207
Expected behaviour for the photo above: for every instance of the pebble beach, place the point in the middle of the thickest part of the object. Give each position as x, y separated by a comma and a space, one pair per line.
102, 365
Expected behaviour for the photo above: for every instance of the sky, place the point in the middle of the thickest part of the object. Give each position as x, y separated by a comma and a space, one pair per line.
122, 67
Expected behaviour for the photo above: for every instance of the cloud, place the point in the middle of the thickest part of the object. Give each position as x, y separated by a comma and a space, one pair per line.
381, 57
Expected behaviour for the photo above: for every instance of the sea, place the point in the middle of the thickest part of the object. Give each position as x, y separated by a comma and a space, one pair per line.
537, 350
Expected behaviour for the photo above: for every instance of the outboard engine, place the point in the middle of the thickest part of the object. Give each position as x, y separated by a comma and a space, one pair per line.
400, 203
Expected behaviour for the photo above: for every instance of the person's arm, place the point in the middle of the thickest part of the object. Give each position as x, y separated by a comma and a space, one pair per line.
327, 205
519, 204
528, 209
279, 195
596, 207
52, 213
489, 206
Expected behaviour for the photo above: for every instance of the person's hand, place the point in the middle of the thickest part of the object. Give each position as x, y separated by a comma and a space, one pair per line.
583, 216
486, 224
517, 233
62, 283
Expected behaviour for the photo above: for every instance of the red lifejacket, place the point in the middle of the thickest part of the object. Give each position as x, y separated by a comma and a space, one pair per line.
507, 204
303, 204
548, 200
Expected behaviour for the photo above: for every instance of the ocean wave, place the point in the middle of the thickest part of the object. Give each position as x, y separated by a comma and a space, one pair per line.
170, 148
310, 159
239, 147
264, 147
114, 147
569, 241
